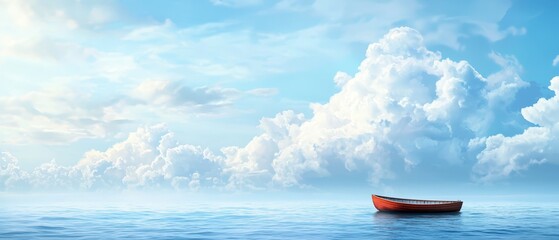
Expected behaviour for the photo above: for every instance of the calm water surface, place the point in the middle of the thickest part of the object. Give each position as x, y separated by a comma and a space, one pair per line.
277, 221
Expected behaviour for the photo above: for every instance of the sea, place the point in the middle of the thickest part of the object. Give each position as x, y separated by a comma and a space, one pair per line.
274, 220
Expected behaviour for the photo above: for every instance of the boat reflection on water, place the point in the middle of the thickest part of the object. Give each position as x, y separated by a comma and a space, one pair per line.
405, 215
396, 225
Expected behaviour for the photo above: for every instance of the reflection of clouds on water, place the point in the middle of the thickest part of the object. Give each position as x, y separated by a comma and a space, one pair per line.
396, 215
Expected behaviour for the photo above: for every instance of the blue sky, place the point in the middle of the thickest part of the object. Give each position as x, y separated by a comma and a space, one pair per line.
251, 95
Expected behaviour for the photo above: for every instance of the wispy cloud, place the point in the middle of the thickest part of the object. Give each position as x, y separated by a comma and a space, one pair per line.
235, 3
169, 94
55, 115
88, 81
361, 21
58, 115
213, 49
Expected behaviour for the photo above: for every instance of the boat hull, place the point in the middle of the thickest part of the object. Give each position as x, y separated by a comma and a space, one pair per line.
388, 204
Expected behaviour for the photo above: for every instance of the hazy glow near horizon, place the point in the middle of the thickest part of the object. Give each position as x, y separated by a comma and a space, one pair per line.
228, 96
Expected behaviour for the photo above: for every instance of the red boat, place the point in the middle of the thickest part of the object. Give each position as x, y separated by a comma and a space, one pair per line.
391, 204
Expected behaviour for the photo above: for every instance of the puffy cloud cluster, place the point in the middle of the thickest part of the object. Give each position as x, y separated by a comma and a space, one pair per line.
10, 173
503, 155
148, 158
404, 106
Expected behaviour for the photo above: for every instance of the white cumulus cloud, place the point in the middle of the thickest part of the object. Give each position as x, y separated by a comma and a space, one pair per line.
149, 158
11, 176
405, 105
501, 155
341, 78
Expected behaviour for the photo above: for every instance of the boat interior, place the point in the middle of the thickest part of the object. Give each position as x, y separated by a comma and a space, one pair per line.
416, 201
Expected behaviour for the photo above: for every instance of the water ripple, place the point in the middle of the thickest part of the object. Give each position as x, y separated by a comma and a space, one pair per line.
278, 222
